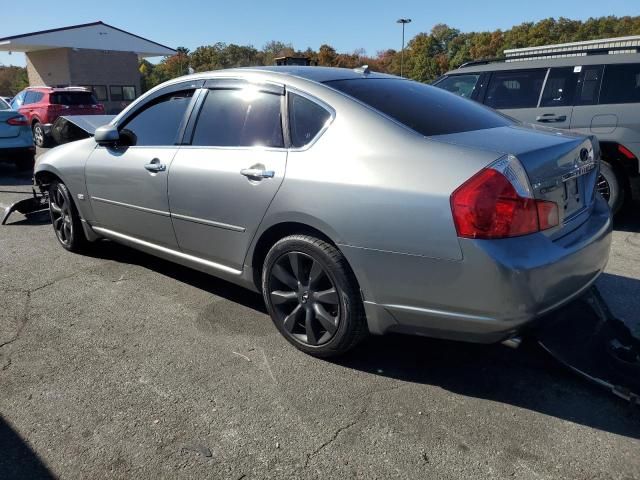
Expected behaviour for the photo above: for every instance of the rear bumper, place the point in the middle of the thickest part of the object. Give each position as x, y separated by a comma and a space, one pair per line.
496, 290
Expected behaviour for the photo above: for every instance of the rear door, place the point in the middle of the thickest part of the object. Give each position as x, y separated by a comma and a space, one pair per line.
586, 98
223, 181
556, 101
516, 92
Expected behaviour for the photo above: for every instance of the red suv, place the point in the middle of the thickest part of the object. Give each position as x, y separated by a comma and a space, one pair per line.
42, 105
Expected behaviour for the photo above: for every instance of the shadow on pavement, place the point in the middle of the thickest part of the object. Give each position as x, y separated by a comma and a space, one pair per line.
628, 220
17, 460
108, 250
10, 176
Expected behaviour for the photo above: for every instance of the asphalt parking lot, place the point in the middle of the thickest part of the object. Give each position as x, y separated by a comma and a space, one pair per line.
116, 364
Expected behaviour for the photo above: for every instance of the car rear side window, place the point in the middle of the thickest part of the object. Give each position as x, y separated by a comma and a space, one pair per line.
589, 85
32, 97
306, 119
621, 84
560, 87
239, 118
73, 98
158, 123
515, 89
428, 110
462, 85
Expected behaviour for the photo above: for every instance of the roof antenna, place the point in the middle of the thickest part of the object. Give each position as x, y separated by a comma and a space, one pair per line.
364, 69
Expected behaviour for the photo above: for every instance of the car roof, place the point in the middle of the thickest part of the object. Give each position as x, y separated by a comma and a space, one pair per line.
316, 74
549, 62
59, 89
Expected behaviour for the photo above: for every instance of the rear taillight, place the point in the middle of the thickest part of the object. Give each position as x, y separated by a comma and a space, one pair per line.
18, 121
498, 202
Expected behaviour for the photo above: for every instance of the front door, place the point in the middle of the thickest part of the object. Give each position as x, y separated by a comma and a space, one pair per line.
127, 183
223, 182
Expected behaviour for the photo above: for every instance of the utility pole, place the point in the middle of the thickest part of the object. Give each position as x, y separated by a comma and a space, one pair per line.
403, 21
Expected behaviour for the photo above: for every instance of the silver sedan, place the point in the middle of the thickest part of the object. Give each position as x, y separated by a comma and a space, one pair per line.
355, 202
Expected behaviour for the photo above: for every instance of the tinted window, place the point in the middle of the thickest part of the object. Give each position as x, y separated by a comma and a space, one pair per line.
73, 98
306, 119
17, 101
515, 89
621, 84
159, 121
560, 87
589, 85
462, 85
423, 108
239, 118
32, 97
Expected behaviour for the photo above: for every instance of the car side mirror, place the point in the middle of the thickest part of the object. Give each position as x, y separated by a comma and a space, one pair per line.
106, 135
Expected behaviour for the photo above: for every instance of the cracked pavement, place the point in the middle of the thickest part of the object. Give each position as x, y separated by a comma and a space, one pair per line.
116, 364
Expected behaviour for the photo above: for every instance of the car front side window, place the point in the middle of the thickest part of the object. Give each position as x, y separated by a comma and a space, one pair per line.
158, 122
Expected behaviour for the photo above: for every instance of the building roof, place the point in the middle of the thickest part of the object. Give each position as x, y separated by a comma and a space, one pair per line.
94, 36
589, 47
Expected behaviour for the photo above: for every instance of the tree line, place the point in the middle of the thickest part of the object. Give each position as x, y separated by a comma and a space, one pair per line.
427, 55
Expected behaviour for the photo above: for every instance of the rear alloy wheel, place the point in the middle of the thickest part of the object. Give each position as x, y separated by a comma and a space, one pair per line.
39, 137
65, 218
311, 296
609, 186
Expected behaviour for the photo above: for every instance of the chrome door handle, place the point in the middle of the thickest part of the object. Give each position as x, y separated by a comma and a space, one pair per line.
550, 117
155, 166
257, 173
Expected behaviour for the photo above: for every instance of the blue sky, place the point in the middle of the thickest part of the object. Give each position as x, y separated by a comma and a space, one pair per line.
344, 24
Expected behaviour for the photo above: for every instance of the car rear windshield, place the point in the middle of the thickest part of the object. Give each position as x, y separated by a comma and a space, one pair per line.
73, 98
428, 110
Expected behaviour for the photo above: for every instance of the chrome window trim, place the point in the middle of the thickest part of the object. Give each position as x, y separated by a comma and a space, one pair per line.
211, 223
128, 205
320, 103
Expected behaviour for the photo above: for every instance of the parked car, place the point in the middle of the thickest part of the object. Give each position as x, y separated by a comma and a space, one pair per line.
43, 105
16, 142
355, 202
594, 94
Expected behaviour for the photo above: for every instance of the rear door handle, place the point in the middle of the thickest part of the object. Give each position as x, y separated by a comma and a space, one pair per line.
155, 166
257, 173
550, 118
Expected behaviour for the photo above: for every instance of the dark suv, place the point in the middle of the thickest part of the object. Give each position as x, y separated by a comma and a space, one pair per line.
591, 94
43, 105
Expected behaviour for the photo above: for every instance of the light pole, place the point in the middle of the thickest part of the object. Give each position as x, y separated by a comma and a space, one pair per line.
403, 21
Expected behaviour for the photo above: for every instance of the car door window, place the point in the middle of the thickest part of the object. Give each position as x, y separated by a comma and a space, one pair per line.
462, 85
158, 122
306, 120
589, 84
17, 101
621, 84
560, 87
515, 89
30, 97
239, 118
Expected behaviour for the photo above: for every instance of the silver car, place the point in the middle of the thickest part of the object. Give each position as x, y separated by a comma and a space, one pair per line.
355, 202
16, 141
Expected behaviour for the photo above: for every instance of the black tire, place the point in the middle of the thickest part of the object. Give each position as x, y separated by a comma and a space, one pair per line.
331, 291
610, 186
65, 218
26, 162
39, 137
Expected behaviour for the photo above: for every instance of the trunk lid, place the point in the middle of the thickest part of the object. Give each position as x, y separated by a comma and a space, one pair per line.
562, 166
6, 130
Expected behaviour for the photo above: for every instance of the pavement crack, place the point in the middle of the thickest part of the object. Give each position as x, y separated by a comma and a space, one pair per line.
23, 322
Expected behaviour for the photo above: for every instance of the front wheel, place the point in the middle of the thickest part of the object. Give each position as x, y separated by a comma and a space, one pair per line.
65, 218
312, 296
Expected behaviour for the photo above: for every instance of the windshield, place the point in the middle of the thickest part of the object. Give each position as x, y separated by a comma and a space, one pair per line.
73, 98
428, 110
462, 85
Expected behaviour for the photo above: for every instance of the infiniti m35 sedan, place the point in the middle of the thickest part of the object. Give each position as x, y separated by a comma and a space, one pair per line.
355, 202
